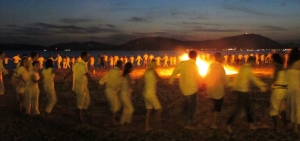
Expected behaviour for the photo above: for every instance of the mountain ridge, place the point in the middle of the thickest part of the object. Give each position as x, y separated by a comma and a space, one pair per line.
238, 42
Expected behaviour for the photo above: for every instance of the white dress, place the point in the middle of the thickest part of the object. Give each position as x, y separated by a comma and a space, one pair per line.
293, 93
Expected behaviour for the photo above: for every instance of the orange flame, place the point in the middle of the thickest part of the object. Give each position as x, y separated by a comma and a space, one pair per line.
203, 65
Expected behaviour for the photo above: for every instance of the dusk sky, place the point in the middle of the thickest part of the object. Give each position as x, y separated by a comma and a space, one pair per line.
47, 22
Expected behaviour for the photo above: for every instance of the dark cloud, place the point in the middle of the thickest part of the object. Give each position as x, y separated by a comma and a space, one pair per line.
217, 30
11, 25
137, 19
240, 8
99, 30
282, 4
273, 27
111, 26
31, 31
52, 26
74, 21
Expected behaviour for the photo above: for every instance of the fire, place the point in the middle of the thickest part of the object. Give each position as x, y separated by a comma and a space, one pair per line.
203, 65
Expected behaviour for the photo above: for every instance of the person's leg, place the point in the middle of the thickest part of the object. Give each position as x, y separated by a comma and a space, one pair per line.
191, 109
35, 101
21, 101
80, 103
52, 99
147, 119
217, 109
249, 112
239, 108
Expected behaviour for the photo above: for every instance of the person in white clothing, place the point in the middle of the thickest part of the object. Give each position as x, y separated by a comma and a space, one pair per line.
279, 87
16, 60
59, 60
4, 72
112, 87
293, 90
189, 81
22, 74
32, 92
81, 77
241, 89
138, 60
149, 93
48, 79
125, 94
216, 80
41, 60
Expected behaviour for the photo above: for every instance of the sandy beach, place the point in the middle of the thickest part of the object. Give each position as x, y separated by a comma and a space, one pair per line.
62, 123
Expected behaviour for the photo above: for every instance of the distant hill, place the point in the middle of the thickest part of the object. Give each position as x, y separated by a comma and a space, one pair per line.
21, 47
240, 42
81, 46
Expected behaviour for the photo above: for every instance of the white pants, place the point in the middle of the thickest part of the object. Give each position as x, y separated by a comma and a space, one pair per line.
127, 108
1, 87
31, 100
51, 96
83, 97
113, 99
277, 101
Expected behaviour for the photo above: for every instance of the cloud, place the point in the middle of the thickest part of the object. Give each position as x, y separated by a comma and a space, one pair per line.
273, 27
217, 30
111, 26
137, 19
68, 27
74, 21
236, 6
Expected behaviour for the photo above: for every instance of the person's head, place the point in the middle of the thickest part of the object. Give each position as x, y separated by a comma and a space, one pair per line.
251, 60
2, 54
35, 65
193, 54
119, 64
24, 56
152, 64
24, 62
85, 56
127, 69
293, 56
49, 63
34, 55
218, 57
277, 58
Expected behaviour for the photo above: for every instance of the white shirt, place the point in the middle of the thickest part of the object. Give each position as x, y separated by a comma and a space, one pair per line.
150, 83
216, 79
79, 77
244, 77
190, 79
112, 79
48, 77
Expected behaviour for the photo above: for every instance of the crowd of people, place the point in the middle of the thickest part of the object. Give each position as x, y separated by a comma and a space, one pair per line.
119, 86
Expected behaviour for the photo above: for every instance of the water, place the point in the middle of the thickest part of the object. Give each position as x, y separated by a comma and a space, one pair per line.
46, 54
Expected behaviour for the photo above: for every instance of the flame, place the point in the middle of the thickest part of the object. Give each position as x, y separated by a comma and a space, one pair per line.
203, 65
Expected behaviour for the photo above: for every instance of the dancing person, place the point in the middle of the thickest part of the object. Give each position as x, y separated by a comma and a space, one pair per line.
48, 78
149, 93
59, 60
138, 59
81, 77
189, 82
16, 60
293, 90
216, 80
41, 60
241, 88
125, 94
4, 72
145, 58
166, 59
112, 87
22, 73
32, 91
279, 87
111, 61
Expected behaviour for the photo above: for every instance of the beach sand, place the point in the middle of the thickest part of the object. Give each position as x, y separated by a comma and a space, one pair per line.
62, 123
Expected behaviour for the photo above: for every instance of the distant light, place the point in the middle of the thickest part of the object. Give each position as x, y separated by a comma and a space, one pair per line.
45, 50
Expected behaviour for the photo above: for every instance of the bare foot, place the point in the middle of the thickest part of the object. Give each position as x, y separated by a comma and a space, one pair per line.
252, 127
147, 129
229, 130
214, 127
189, 127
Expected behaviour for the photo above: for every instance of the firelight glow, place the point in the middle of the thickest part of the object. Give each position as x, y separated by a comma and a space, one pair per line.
203, 65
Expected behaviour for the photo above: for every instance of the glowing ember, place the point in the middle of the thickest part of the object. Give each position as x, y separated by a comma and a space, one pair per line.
203, 66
